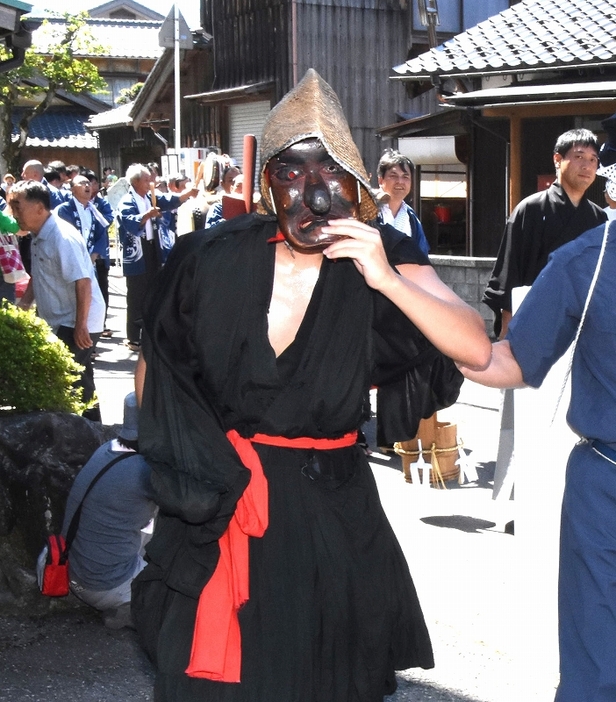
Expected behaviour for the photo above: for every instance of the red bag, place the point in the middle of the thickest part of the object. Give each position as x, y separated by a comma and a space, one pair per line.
52, 567
52, 563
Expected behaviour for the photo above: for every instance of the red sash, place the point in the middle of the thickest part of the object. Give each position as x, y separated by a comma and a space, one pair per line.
217, 645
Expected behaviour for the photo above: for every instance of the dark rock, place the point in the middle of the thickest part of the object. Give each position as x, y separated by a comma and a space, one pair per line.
40, 454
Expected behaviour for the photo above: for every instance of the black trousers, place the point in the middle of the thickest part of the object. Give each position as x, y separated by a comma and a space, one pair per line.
102, 276
86, 379
137, 288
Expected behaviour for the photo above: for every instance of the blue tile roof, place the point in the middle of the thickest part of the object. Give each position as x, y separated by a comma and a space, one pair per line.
59, 129
530, 35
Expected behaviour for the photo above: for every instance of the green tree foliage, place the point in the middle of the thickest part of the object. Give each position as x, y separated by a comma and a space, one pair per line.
129, 94
61, 68
37, 371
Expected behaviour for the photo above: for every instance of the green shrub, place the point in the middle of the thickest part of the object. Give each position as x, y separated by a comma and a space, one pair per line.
37, 371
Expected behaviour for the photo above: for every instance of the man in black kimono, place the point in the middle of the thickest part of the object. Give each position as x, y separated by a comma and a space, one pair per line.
273, 573
544, 221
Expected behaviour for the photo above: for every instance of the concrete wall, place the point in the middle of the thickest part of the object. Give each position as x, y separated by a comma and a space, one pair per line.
467, 277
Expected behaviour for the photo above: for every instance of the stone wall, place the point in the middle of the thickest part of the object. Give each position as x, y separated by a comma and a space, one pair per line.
468, 278
40, 454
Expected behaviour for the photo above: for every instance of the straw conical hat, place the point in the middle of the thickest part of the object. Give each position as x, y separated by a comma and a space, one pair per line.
312, 110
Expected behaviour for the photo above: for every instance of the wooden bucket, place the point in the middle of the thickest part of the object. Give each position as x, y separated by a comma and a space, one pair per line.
439, 445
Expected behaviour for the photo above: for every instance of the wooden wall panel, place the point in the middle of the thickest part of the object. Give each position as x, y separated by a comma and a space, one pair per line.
354, 50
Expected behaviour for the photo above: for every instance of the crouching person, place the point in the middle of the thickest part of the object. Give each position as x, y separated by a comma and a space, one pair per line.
106, 553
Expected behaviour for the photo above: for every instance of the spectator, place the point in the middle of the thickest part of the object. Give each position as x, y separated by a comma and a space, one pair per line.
107, 552
177, 182
33, 170
8, 226
81, 212
71, 172
395, 179
60, 168
214, 214
146, 242
539, 225
108, 182
7, 181
544, 221
103, 262
53, 178
63, 281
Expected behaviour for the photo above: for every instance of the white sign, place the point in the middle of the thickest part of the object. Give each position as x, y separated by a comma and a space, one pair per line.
166, 34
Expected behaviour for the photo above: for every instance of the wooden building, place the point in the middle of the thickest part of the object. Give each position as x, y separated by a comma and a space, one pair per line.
143, 130
128, 32
262, 48
503, 91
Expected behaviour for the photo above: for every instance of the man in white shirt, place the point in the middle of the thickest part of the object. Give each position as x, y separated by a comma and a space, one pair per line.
81, 212
63, 282
395, 179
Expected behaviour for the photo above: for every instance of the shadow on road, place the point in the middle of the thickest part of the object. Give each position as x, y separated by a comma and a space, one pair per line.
470, 525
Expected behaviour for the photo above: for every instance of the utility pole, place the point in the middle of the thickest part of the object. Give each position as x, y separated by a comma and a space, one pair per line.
174, 33
176, 74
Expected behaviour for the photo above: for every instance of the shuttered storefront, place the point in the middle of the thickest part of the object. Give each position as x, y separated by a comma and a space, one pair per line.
246, 118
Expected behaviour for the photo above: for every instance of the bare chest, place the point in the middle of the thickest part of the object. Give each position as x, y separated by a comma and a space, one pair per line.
294, 282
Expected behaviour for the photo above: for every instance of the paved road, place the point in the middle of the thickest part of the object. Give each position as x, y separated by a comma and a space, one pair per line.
463, 563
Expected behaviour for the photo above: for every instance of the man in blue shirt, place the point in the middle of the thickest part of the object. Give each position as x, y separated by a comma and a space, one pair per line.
106, 553
538, 335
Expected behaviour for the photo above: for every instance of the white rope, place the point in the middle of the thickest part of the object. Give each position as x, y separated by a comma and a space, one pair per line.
591, 290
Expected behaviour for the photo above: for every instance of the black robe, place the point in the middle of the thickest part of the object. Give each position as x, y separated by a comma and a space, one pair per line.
332, 610
539, 225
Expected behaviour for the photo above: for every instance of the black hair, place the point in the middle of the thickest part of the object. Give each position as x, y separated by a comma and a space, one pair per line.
51, 174
57, 166
33, 191
583, 137
391, 158
128, 443
90, 175
231, 167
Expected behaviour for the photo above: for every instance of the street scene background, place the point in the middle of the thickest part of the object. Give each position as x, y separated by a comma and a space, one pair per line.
489, 639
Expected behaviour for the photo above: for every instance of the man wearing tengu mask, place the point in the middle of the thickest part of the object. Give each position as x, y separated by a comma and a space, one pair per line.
273, 573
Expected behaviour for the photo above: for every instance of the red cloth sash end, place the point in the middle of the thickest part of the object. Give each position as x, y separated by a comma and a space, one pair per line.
217, 643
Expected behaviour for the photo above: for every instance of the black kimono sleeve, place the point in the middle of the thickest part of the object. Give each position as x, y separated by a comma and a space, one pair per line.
414, 379
194, 467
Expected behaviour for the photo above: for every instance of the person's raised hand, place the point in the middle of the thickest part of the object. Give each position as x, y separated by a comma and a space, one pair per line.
364, 246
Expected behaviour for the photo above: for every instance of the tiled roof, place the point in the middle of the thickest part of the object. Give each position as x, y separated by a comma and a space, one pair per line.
120, 38
530, 35
118, 117
140, 10
59, 128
